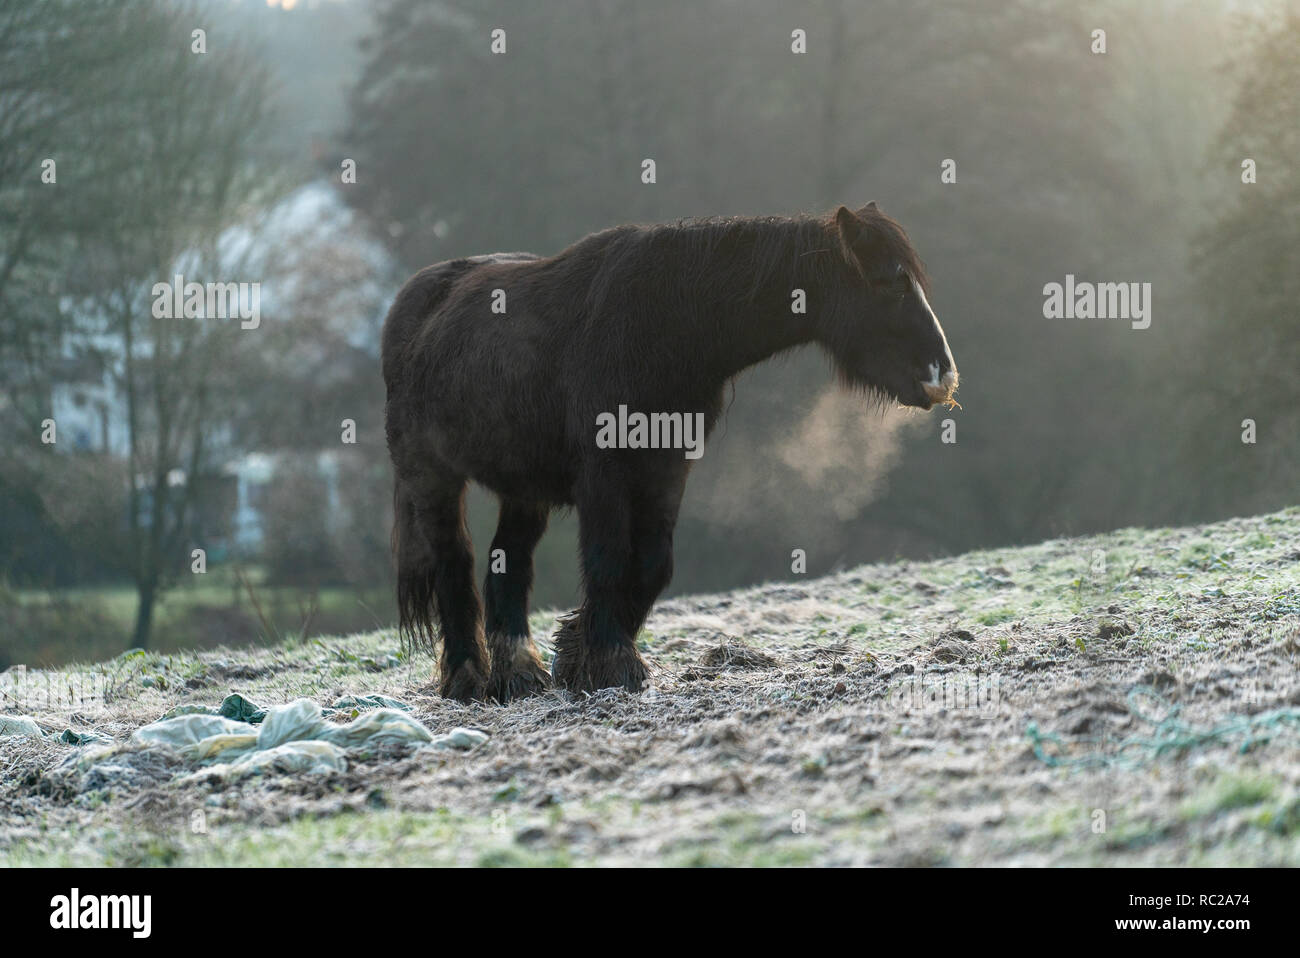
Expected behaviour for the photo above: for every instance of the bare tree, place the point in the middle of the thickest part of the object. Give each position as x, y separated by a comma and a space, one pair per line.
168, 145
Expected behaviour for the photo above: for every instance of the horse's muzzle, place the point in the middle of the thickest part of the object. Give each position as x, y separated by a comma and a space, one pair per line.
940, 390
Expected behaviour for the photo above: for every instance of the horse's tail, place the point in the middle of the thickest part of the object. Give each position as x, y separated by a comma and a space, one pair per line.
417, 614
413, 554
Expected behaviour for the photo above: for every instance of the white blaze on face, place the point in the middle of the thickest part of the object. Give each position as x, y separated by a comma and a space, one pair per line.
934, 368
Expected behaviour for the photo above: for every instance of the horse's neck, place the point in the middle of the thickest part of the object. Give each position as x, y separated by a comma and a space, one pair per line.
757, 327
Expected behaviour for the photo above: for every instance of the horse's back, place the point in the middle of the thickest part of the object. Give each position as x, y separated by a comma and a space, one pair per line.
416, 306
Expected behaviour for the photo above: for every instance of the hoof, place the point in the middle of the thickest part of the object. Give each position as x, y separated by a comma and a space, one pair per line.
579, 668
464, 683
517, 671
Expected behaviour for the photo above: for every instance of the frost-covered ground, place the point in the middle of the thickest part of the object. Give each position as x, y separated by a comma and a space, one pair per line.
1130, 698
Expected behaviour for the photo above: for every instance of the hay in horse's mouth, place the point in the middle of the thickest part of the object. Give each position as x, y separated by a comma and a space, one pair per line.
946, 398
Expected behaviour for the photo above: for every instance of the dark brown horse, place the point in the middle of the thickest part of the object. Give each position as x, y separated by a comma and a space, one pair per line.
576, 379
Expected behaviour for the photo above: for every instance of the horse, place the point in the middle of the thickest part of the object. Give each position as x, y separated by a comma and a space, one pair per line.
506, 369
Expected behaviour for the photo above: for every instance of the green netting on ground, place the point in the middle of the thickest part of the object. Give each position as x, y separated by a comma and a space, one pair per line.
1164, 733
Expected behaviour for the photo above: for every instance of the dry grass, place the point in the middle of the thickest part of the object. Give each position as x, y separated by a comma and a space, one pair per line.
879, 716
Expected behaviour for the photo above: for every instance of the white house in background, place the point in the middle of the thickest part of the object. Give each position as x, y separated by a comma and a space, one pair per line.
86, 408
253, 475
89, 408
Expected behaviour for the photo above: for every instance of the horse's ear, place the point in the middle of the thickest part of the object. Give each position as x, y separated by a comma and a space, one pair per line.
849, 228
871, 206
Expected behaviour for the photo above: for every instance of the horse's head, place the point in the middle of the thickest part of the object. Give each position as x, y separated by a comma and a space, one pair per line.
884, 336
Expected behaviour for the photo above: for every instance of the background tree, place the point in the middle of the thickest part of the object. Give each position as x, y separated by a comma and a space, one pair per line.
158, 170
1248, 263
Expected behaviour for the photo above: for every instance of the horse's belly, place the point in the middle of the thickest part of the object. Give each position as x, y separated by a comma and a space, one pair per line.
519, 456
550, 486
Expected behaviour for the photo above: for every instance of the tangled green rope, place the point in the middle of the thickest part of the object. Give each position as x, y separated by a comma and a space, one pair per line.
1164, 735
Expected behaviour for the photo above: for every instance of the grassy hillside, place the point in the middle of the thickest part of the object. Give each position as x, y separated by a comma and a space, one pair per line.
1130, 698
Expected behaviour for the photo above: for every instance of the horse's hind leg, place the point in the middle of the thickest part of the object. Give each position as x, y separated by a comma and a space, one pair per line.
436, 575
517, 669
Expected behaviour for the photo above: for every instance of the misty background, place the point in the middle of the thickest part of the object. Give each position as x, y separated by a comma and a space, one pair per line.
231, 163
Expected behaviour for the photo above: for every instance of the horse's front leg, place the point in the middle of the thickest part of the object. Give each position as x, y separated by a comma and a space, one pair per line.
595, 648
626, 537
